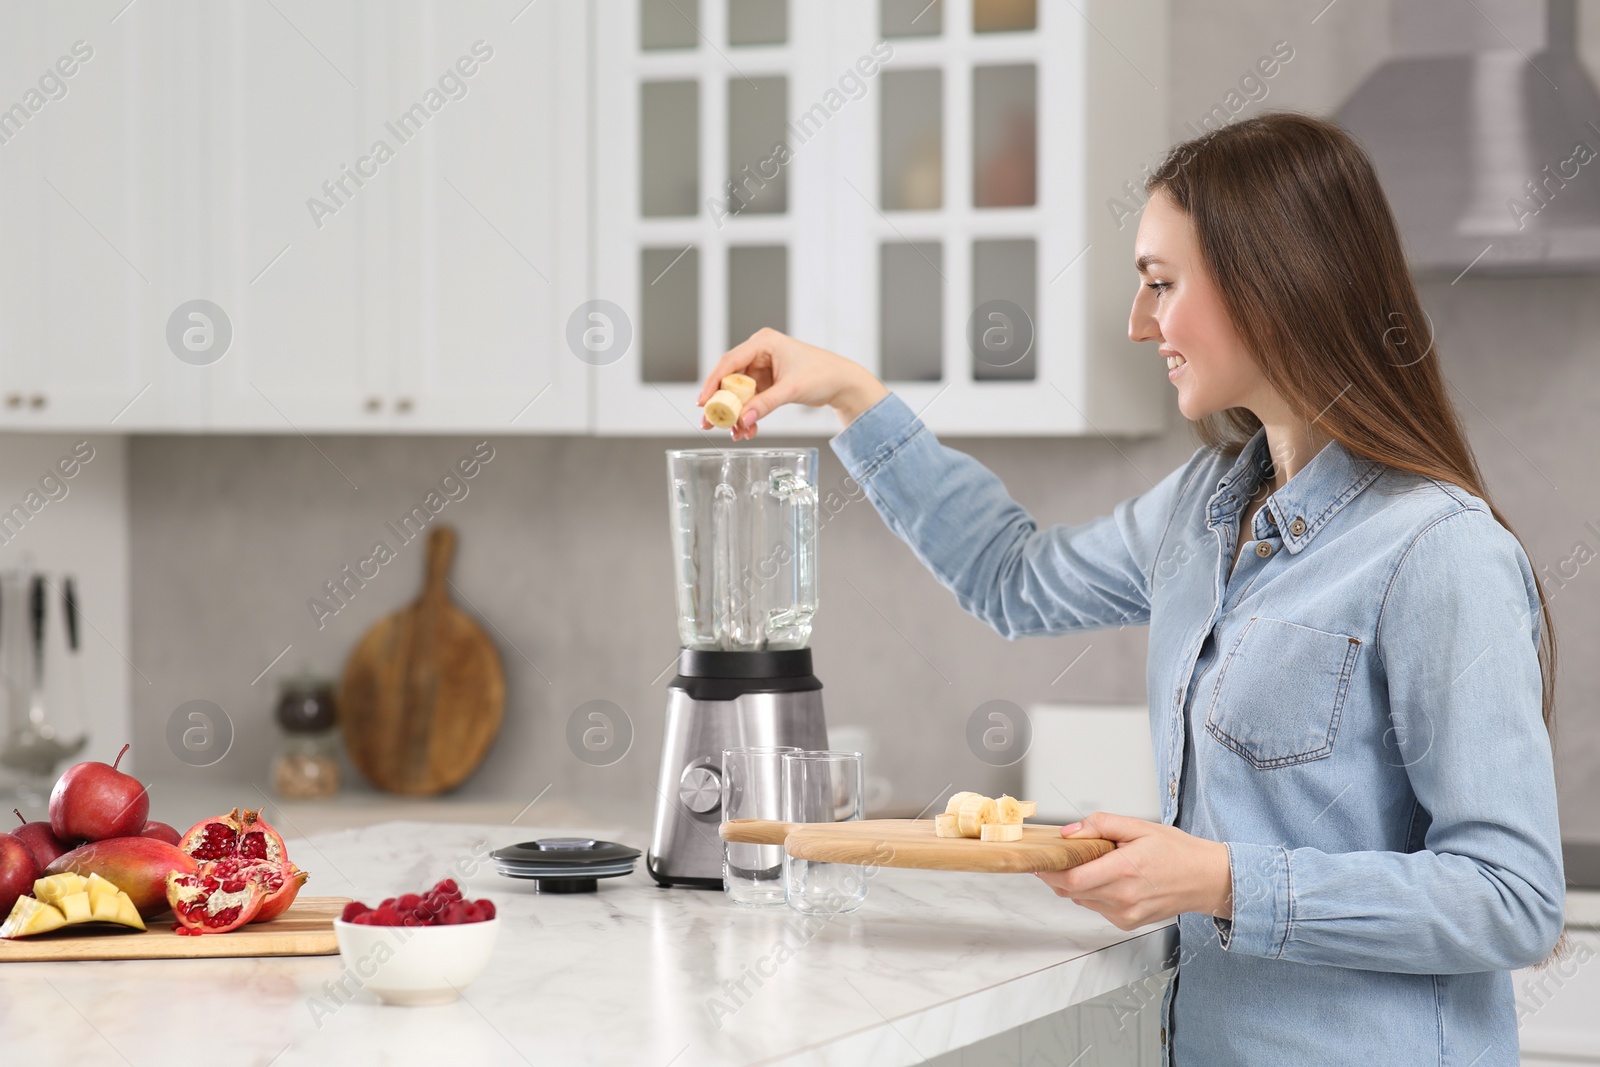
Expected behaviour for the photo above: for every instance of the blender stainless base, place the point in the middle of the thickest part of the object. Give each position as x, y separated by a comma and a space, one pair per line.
723, 700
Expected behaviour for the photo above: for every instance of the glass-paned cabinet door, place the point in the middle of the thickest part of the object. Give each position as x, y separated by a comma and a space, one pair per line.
709, 201
959, 188
966, 199
920, 185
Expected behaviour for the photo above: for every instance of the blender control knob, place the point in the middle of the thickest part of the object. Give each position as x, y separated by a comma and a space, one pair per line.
700, 789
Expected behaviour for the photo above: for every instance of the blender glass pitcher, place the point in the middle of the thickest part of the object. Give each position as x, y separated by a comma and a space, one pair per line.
744, 531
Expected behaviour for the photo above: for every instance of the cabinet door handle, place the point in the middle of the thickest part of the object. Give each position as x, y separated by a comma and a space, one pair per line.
36, 401
374, 404
13, 400
403, 404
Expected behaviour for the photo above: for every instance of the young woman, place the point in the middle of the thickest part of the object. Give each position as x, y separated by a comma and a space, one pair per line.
1351, 665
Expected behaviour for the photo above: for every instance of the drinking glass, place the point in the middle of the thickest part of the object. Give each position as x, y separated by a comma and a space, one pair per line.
752, 788
820, 787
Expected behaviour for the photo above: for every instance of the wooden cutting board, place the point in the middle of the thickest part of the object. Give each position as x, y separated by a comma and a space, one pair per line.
911, 843
423, 692
306, 929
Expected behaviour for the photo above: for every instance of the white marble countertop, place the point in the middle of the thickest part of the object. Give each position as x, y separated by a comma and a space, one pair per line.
628, 975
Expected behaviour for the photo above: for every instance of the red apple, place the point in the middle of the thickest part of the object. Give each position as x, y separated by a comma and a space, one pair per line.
161, 832
41, 840
18, 869
93, 802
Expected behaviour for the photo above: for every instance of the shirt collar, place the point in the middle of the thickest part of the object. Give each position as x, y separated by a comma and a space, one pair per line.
1310, 500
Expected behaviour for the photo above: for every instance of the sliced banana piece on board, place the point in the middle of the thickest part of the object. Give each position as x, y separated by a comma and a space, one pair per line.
974, 813
954, 804
969, 814
1002, 831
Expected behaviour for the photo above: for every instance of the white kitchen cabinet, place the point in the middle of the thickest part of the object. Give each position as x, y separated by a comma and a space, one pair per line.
929, 186
486, 230
88, 248
293, 93
682, 107
567, 237
399, 214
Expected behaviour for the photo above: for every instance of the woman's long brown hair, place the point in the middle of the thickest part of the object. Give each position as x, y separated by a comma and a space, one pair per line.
1296, 231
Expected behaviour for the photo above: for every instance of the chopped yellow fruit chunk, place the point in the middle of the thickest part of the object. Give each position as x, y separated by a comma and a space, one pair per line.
29, 916
50, 890
69, 899
75, 907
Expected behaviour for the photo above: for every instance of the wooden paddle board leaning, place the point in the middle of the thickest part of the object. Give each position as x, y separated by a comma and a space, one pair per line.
913, 843
423, 692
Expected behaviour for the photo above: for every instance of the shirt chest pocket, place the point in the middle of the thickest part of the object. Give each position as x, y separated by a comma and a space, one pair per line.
1281, 691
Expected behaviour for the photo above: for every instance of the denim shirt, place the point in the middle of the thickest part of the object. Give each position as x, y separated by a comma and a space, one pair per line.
1353, 708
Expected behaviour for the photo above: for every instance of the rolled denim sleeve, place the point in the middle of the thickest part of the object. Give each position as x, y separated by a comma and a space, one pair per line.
958, 519
1458, 638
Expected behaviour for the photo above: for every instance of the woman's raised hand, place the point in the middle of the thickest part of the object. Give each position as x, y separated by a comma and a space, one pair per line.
787, 371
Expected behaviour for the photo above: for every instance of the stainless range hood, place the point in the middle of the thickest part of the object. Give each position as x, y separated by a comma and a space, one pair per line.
1485, 130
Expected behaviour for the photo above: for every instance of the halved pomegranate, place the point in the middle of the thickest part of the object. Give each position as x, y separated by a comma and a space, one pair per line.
282, 884
214, 900
241, 834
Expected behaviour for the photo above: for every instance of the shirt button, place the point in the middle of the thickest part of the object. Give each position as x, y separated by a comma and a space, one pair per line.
1298, 526
1263, 549
1163, 1035
1172, 788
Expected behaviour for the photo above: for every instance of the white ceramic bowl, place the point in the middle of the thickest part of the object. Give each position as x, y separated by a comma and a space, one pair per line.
416, 965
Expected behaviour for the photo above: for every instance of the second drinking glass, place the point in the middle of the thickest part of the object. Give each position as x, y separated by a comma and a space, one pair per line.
823, 787
752, 788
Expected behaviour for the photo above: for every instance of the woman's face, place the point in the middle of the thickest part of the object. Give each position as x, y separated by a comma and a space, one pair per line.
1179, 306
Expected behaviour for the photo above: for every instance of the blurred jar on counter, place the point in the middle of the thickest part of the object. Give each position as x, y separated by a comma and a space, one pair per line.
307, 766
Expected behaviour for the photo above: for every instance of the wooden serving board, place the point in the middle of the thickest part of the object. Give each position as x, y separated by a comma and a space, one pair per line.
911, 843
423, 692
306, 929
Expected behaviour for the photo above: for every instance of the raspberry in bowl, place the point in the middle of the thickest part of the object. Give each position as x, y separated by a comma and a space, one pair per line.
418, 948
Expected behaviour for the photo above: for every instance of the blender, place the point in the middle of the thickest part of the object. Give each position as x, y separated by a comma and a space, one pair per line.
744, 533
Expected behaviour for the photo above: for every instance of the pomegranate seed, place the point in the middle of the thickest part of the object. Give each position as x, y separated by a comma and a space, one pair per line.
352, 909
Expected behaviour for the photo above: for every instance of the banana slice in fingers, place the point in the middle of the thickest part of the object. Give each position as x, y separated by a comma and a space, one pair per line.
723, 409
740, 385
